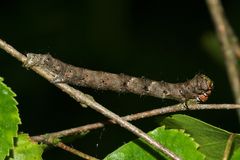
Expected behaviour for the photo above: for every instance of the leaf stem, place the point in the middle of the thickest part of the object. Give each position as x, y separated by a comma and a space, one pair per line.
228, 146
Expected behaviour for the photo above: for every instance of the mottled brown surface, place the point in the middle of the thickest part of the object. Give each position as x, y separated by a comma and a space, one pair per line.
198, 88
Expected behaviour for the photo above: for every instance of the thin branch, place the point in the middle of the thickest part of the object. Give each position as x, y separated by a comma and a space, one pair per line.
133, 117
83, 99
229, 43
74, 151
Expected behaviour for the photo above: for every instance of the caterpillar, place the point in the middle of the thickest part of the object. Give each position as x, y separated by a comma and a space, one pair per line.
198, 88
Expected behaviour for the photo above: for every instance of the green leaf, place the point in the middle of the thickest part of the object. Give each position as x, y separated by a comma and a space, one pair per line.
212, 140
27, 149
236, 154
175, 140
9, 119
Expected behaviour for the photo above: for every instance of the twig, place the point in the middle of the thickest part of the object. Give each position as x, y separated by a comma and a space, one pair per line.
141, 115
74, 151
83, 99
229, 43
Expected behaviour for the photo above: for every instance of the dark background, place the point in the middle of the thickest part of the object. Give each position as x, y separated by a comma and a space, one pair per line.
160, 40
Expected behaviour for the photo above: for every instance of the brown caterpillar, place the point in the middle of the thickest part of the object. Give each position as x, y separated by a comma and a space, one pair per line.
199, 88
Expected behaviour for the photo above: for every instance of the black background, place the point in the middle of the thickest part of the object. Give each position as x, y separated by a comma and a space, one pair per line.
160, 40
